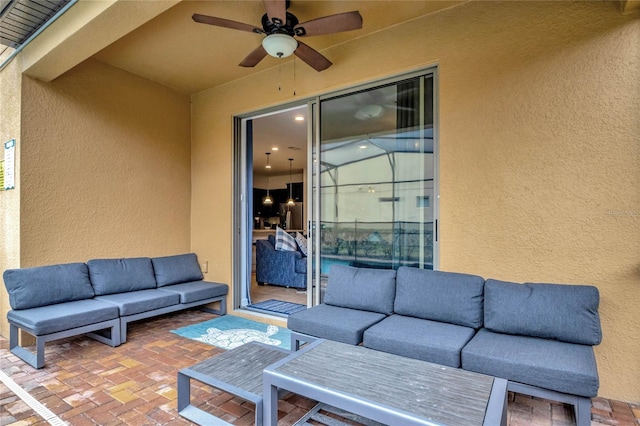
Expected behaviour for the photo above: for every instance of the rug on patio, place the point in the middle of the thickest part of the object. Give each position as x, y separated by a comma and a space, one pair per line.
228, 332
279, 306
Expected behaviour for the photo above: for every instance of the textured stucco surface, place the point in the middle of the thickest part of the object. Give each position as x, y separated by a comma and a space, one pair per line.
539, 149
10, 96
105, 170
106, 167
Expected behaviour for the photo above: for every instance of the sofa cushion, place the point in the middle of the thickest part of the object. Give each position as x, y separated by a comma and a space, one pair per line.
197, 290
568, 313
431, 341
334, 323
440, 296
361, 288
301, 241
109, 276
63, 316
135, 302
549, 364
181, 268
284, 241
47, 285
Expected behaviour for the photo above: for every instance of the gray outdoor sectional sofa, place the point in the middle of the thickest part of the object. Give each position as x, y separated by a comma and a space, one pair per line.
101, 297
539, 337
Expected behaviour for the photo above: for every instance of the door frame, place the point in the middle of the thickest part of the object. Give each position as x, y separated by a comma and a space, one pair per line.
242, 198
242, 209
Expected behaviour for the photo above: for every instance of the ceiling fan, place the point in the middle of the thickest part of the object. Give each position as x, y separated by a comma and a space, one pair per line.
280, 28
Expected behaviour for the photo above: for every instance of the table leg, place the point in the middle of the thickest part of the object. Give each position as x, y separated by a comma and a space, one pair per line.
184, 391
496, 413
270, 402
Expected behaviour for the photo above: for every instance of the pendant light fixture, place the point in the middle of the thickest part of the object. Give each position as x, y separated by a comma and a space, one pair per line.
267, 200
290, 201
268, 166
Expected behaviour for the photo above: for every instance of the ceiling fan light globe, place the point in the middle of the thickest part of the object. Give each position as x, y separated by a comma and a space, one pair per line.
368, 112
279, 45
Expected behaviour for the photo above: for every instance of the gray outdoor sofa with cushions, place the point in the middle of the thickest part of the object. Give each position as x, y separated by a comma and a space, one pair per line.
101, 297
54, 302
351, 305
539, 337
435, 315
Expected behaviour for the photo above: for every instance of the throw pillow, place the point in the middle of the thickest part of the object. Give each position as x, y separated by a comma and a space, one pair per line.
302, 243
284, 241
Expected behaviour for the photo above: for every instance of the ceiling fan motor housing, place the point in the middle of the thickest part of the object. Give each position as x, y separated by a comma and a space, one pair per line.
271, 27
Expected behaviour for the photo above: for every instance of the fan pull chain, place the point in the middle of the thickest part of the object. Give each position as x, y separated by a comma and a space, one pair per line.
280, 75
294, 76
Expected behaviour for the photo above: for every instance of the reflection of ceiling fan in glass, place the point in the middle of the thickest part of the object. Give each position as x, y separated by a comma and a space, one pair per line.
368, 112
375, 103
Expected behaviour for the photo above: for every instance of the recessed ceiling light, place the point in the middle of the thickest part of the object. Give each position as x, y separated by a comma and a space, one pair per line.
275, 148
299, 117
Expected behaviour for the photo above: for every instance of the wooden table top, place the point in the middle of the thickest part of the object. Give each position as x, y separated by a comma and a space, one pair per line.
441, 394
240, 367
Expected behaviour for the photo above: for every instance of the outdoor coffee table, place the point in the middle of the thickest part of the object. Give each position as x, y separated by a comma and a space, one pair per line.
238, 372
387, 388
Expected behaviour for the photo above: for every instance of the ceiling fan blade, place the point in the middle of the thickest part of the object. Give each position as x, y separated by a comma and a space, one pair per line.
276, 9
254, 57
330, 24
311, 56
226, 23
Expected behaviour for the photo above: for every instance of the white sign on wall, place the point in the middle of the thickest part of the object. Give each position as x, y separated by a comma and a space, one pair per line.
9, 164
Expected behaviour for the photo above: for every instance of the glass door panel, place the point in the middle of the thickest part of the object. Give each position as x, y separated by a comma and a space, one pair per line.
373, 178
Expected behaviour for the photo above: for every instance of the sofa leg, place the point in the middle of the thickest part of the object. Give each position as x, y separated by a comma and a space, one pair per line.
581, 404
221, 311
295, 343
112, 338
296, 338
35, 360
123, 331
583, 412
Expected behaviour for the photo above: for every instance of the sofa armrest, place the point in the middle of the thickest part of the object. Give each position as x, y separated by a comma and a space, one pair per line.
273, 266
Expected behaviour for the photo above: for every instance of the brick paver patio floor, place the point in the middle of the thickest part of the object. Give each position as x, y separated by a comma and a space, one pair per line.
85, 382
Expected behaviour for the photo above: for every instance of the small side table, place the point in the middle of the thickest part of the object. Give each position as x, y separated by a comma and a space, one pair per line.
238, 372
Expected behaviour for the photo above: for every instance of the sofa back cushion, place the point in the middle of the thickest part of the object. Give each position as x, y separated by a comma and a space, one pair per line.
285, 241
47, 285
568, 313
181, 268
109, 276
440, 296
361, 288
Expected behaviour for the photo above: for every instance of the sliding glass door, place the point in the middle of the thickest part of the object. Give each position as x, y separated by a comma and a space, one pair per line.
374, 168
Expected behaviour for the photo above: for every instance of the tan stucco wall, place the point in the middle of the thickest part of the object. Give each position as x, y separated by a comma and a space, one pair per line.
106, 169
539, 149
10, 96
